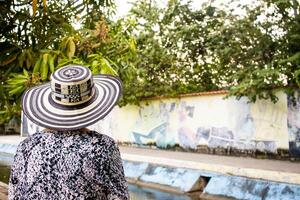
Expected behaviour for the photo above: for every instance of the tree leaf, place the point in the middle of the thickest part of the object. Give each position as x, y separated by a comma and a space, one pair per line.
51, 63
37, 66
17, 90
71, 49
34, 7
44, 67
25, 72
95, 67
28, 59
106, 68
22, 58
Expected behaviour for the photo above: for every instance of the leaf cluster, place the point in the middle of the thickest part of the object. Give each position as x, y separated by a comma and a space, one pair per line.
182, 49
35, 38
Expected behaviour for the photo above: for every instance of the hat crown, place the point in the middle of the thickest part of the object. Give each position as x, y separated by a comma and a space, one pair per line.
72, 85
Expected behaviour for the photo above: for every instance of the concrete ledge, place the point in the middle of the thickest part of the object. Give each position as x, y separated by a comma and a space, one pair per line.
6, 159
179, 180
11, 139
8, 148
285, 177
186, 181
214, 197
133, 170
7, 152
155, 186
243, 188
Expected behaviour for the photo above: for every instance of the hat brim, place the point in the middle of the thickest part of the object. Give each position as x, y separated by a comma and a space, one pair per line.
39, 107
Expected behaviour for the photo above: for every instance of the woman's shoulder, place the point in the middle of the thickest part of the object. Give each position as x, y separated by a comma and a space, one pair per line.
93, 138
28, 142
102, 138
71, 134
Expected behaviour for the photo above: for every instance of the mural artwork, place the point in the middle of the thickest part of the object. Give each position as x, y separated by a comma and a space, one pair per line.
177, 123
210, 121
294, 125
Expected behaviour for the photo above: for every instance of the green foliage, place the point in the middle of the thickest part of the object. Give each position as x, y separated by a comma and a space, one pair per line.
106, 49
156, 51
262, 51
35, 38
182, 49
174, 54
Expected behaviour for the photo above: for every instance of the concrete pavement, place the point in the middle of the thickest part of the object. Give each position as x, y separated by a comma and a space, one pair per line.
11, 139
273, 170
3, 191
230, 177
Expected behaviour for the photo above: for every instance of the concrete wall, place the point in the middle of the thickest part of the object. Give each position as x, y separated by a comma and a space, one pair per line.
294, 125
208, 120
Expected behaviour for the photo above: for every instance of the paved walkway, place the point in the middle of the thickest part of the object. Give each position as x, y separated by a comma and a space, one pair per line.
11, 139
3, 191
274, 170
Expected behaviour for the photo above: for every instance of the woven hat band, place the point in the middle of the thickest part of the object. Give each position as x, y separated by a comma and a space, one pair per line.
71, 95
62, 88
71, 85
72, 99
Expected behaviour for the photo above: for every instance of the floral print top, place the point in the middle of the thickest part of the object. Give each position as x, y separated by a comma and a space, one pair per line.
68, 165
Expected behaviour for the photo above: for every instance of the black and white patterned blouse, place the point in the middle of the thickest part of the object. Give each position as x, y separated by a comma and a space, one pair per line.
68, 165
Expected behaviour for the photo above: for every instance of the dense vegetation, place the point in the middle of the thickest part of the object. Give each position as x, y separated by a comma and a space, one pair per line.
156, 50
182, 49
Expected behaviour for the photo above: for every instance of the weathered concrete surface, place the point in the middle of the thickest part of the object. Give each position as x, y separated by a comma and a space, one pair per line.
8, 148
181, 179
11, 139
280, 171
6, 159
134, 170
250, 189
3, 191
9, 143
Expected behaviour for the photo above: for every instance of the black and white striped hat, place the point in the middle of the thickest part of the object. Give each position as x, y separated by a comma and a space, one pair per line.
73, 99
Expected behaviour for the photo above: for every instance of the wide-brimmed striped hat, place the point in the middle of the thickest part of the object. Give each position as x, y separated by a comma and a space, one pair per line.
73, 99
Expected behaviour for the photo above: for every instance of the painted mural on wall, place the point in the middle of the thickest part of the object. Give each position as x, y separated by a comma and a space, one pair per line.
215, 123
203, 120
294, 125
